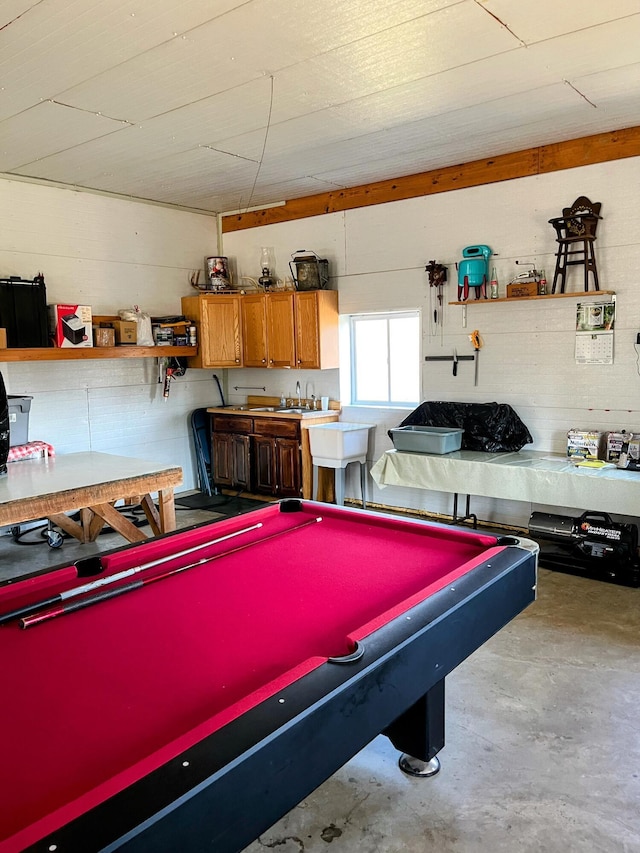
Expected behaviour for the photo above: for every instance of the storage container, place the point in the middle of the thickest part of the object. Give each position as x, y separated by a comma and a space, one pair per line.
427, 439
19, 408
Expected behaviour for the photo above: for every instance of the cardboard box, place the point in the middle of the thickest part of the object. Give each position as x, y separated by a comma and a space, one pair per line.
126, 331
104, 336
70, 325
522, 288
586, 444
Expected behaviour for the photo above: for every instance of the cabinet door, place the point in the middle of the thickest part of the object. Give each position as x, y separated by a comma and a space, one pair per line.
288, 468
241, 461
218, 321
316, 315
276, 463
221, 454
254, 330
281, 339
264, 465
231, 460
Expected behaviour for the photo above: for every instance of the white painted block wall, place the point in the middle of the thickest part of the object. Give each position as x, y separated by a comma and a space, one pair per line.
377, 257
109, 253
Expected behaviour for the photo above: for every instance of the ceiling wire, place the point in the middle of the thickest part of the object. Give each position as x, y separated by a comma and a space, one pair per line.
264, 146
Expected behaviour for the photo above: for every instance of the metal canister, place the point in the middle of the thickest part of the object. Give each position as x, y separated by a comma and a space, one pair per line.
218, 277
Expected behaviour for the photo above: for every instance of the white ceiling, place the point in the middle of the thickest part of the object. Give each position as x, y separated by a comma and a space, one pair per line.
221, 105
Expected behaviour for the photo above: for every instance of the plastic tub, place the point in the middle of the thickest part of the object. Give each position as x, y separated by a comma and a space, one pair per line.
19, 408
427, 439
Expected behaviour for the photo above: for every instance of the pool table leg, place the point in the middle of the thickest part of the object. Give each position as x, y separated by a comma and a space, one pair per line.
419, 733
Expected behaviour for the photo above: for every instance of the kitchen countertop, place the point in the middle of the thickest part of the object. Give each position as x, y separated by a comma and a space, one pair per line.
272, 412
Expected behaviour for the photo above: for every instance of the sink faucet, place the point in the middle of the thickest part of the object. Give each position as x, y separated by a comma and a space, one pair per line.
299, 394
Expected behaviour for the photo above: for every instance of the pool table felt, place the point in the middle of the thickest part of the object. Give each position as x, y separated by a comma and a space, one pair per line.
108, 693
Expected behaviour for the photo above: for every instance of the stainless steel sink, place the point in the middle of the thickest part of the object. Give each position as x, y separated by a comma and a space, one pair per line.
264, 409
293, 411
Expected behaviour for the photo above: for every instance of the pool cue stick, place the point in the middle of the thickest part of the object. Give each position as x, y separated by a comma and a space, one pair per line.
105, 595
29, 609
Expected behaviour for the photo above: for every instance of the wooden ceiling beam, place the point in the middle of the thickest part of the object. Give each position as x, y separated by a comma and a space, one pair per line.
585, 151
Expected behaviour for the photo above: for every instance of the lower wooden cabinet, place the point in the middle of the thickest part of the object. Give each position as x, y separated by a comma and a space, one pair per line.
232, 460
276, 465
260, 455
231, 450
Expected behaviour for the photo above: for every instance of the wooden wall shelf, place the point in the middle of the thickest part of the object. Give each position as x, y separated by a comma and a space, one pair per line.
580, 295
81, 353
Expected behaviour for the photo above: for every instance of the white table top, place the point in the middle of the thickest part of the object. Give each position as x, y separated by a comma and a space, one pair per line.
33, 478
528, 475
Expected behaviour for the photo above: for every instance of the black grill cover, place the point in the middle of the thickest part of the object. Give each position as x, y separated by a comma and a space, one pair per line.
492, 427
4, 427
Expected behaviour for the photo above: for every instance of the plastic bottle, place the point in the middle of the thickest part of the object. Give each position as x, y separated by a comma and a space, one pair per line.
493, 285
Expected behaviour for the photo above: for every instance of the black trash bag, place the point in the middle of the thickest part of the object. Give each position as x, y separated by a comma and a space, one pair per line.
4, 427
491, 427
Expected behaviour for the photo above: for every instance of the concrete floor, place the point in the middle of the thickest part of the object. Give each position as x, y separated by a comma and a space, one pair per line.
543, 746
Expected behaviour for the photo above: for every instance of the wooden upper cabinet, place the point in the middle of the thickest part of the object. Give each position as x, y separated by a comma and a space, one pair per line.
316, 317
281, 335
219, 328
254, 330
268, 330
282, 329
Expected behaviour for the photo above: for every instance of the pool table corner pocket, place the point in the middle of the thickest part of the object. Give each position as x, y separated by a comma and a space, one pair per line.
350, 657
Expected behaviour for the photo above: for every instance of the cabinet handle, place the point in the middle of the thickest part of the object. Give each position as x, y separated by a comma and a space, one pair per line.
264, 360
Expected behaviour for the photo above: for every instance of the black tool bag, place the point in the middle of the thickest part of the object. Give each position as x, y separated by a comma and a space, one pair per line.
4, 427
491, 427
23, 311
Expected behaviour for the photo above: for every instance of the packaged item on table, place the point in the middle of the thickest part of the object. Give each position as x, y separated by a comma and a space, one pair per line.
585, 444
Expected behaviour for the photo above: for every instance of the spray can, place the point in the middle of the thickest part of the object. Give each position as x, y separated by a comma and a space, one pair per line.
493, 285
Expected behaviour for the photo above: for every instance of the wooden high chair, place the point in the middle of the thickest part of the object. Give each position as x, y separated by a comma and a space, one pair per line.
576, 234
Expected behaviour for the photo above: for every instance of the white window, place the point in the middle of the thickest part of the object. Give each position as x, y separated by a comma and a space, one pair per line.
385, 359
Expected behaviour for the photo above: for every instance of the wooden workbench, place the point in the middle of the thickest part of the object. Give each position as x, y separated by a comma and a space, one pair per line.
91, 483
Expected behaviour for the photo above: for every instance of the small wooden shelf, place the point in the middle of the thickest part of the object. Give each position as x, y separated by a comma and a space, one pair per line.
81, 353
579, 295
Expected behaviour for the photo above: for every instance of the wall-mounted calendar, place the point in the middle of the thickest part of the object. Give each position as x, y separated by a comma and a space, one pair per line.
594, 332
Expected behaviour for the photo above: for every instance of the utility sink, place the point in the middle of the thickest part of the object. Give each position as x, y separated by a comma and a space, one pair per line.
292, 411
338, 441
263, 409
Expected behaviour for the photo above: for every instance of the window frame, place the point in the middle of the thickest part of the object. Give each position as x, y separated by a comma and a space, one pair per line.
360, 316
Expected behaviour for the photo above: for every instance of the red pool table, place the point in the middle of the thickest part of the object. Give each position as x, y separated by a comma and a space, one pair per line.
191, 713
